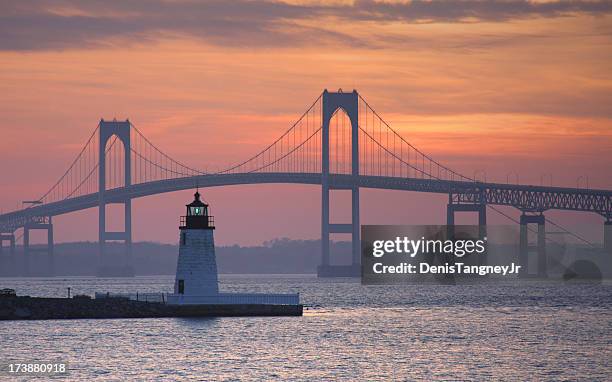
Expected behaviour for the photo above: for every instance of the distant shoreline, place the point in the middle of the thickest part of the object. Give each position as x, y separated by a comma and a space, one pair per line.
80, 259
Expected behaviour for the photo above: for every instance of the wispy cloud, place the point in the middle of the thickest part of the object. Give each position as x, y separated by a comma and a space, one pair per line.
55, 25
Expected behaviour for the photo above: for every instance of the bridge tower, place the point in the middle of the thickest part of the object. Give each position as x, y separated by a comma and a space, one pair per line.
121, 129
349, 102
479, 206
540, 246
10, 237
608, 235
39, 223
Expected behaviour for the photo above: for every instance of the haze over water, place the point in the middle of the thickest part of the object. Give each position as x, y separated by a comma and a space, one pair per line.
533, 330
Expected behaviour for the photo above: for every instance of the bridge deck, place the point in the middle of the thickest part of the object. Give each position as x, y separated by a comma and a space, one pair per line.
523, 197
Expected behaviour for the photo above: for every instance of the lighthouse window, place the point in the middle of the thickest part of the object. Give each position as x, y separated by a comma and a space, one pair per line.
183, 238
181, 286
196, 211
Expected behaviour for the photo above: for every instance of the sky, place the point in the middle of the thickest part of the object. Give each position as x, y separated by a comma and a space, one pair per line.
513, 88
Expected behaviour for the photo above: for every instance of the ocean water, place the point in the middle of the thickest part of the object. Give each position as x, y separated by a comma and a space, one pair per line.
534, 330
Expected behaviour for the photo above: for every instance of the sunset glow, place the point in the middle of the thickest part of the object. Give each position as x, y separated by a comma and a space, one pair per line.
514, 89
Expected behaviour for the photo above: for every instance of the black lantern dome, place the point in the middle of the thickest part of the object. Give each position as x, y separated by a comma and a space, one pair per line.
197, 215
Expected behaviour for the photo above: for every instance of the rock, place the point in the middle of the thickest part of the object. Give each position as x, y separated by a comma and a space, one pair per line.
23, 313
6, 314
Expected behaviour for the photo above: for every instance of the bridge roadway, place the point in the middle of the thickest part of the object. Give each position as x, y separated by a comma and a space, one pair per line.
524, 197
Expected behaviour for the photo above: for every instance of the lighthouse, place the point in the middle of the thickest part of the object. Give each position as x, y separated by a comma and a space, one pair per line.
197, 281
196, 271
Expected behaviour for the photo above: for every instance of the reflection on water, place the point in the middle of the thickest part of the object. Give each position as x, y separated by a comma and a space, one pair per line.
529, 331
196, 322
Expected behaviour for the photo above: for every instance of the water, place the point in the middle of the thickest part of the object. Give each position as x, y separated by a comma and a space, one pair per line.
529, 331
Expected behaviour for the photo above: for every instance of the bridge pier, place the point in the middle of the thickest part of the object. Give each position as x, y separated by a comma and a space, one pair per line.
326, 269
122, 131
331, 102
42, 224
479, 208
105, 236
608, 236
524, 247
10, 237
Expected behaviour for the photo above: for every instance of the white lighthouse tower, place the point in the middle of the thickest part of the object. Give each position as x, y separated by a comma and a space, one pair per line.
196, 280
196, 272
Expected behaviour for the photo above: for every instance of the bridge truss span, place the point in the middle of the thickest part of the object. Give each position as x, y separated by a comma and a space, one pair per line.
537, 198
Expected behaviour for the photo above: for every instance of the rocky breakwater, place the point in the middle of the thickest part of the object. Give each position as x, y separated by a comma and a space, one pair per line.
39, 308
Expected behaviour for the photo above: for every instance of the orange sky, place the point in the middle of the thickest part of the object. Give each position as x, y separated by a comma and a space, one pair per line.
524, 87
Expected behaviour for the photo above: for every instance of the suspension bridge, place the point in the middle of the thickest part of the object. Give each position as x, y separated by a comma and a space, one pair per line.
340, 142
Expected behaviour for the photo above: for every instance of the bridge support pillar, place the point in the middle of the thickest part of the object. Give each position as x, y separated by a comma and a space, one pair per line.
608, 236
349, 102
326, 269
540, 247
325, 227
10, 237
122, 131
105, 236
42, 224
479, 208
